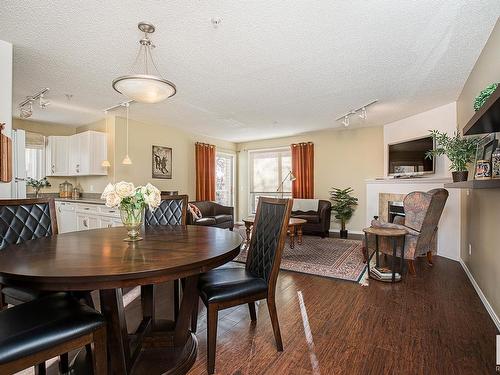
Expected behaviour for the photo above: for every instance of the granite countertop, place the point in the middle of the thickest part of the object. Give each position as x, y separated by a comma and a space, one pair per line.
81, 200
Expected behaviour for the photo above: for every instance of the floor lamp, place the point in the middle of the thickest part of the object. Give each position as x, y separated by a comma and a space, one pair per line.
290, 176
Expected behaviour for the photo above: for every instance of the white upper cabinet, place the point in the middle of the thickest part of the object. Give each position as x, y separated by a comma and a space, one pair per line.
77, 155
57, 156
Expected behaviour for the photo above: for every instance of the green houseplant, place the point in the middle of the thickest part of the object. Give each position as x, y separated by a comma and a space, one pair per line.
460, 150
343, 204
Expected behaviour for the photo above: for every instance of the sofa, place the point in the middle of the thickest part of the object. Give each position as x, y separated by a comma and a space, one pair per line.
212, 215
316, 212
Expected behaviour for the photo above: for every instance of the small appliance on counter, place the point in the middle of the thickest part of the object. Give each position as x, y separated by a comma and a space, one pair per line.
65, 190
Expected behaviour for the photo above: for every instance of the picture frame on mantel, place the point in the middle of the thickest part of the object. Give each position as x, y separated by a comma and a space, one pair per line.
161, 162
485, 148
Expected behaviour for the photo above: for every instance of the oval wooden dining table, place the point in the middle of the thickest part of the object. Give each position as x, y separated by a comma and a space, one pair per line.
100, 260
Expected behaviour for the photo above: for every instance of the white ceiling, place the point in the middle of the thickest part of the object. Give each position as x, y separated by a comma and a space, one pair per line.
272, 68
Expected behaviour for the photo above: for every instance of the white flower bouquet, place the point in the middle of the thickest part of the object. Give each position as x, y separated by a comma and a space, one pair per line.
131, 201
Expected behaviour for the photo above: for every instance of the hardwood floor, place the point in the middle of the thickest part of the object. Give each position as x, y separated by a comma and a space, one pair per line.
432, 323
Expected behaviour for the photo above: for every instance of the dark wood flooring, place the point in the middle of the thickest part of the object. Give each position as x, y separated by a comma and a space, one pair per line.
432, 323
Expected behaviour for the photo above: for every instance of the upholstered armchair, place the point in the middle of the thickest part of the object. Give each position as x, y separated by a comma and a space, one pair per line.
422, 214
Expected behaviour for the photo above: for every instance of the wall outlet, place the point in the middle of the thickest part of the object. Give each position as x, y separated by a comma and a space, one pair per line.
470, 249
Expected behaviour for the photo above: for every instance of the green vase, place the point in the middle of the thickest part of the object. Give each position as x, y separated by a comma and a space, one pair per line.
132, 220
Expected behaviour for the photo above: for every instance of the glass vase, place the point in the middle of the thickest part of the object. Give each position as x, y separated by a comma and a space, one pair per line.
132, 220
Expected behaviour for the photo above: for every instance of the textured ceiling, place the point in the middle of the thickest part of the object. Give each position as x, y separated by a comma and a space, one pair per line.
272, 68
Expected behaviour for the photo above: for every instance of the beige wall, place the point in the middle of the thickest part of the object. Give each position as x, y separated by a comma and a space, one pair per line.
141, 139
481, 208
342, 158
46, 128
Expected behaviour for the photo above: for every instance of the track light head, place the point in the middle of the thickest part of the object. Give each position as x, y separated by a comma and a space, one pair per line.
345, 121
44, 103
363, 113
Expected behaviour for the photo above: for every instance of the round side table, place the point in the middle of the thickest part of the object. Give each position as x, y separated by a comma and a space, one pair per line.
394, 234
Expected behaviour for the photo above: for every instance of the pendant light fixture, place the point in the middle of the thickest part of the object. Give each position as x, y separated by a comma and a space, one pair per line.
146, 87
105, 163
126, 160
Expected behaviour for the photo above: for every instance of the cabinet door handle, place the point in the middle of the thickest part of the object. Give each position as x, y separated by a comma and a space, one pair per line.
53, 168
59, 209
85, 223
110, 225
86, 208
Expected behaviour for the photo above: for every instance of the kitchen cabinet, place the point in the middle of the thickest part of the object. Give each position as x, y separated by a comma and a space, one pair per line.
66, 217
82, 216
86, 152
57, 156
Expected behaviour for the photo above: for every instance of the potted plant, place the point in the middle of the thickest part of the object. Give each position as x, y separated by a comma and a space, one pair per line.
37, 184
131, 201
343, 204
460, 150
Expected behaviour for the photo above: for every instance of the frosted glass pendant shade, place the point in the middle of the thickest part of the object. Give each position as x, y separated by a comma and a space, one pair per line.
144, 88
106, 164
127, 160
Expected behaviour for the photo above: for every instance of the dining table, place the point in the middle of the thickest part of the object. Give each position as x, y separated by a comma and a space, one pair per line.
101, 260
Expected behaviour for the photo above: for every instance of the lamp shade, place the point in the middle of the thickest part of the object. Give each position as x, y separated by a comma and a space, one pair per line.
144, 88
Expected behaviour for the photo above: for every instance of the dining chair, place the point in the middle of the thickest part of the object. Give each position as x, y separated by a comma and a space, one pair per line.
223, 288
171, 211
23, 220
36, 331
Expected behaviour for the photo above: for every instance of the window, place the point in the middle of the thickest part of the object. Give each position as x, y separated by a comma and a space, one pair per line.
35, 155
224, 179
266, 171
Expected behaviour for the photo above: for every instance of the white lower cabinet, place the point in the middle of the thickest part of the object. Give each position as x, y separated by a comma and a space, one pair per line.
73, 217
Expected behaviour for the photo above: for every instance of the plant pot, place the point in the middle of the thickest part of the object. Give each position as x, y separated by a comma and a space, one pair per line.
460, 176
343, 233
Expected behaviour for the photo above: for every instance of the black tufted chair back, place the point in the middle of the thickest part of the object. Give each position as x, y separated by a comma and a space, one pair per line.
172, 211
26, 219
268, 238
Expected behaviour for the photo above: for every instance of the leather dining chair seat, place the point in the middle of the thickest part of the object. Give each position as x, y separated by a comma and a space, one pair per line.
44, 323
226, 284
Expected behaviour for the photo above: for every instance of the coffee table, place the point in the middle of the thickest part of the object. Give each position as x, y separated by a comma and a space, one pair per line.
294, 228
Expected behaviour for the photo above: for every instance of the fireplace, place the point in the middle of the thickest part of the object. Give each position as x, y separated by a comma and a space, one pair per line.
394, 208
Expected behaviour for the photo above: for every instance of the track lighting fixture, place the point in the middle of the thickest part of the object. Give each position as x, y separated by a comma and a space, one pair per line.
361, 111
26, 106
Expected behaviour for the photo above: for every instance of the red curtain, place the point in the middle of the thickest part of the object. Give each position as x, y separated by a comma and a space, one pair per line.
205, 172
303, 170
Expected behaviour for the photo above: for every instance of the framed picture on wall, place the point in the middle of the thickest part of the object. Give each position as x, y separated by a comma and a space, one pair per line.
162, 162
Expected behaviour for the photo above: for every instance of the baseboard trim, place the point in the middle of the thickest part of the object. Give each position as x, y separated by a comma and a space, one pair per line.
352, 234
481, 295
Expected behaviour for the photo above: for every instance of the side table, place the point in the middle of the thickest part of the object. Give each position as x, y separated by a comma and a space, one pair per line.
394, 234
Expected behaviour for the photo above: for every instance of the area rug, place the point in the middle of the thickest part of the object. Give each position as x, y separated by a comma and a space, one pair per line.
328, 257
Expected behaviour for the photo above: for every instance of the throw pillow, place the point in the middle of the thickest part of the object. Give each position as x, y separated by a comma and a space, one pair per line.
195, 211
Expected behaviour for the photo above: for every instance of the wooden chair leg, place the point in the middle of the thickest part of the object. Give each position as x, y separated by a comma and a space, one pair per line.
271, 305
99, 354
253, 313
176, 299
429, 258
194, 316
411, 267
212, 315
64, 363
40, 369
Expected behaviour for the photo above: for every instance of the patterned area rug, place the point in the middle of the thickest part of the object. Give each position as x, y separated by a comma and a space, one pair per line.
329, 257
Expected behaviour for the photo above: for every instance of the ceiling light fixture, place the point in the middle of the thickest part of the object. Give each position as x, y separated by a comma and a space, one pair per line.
345, 121
146, 87
26, 106
363, 114
126, 160
105, 163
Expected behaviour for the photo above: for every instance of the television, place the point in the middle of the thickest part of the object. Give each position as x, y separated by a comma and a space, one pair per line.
408, 158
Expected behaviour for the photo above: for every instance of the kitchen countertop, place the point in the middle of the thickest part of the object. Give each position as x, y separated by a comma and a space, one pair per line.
81, 200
